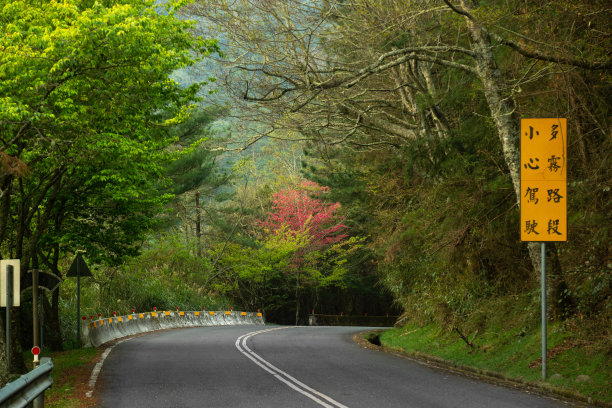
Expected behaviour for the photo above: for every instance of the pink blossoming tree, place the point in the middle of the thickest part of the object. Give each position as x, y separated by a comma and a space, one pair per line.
301, 212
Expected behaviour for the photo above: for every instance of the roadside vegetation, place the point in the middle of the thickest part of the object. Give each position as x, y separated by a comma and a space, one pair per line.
343, 157
71, 372
508, 343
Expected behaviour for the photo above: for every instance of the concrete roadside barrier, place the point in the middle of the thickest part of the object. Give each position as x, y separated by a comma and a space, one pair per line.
103, 330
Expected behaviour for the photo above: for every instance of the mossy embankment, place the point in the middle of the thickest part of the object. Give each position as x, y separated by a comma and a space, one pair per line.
503, 341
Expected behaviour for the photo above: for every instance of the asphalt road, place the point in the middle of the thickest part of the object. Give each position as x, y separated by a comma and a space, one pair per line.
258, 366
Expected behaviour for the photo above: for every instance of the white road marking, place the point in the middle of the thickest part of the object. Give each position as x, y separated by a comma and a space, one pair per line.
241, 345
96, 371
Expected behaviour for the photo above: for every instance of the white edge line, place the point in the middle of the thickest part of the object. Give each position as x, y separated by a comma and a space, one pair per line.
98, 367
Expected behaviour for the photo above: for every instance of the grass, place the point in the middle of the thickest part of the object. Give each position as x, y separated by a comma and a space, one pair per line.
504, 344
71, 370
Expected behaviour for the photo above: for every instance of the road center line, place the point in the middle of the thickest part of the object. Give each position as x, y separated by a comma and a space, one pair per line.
293, 383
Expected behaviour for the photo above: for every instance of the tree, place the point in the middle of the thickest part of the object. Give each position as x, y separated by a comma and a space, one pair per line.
195, 171
256, 274
300, 212
86, 103
339, 78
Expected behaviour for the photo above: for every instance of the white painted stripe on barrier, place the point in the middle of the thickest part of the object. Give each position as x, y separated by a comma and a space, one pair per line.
241, 345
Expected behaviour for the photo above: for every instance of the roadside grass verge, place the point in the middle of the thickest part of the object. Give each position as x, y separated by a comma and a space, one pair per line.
506, 347
71, 371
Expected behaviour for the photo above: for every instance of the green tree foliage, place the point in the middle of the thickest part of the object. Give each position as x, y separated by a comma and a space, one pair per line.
85, 103
257, 275
195, 172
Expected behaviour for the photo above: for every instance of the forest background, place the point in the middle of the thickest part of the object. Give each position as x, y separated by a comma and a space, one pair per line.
343, 156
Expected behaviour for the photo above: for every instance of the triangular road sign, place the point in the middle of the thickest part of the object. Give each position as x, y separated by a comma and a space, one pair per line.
78, 268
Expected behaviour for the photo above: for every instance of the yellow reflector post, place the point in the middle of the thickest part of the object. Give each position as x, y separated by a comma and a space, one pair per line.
196, 313
211, 313
141, 315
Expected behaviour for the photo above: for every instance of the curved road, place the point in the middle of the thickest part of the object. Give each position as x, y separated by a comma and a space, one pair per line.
258, 366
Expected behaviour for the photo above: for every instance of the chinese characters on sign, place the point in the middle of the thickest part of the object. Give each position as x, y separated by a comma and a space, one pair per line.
544, 179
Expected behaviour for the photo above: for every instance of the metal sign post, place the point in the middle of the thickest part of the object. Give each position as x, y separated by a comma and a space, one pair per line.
77, 269
544, 331
78, 311
15, 287
9, 303
10, 296
544, 193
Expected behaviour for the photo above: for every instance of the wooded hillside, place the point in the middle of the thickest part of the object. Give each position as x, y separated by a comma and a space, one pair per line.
409, 112
344, 156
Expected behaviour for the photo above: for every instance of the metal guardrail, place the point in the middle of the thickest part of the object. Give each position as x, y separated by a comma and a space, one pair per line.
28, 390
351, 320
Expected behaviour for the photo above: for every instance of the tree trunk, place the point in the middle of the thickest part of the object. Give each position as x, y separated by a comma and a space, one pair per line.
5, 206
297, 299
4, 374
17, 363
502, 113
502, 106
53, 332
198, 224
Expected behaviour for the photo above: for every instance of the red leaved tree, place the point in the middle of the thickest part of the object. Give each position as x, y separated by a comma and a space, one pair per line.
300, 211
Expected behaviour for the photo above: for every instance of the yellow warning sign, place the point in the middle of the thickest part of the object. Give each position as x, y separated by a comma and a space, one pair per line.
544, 179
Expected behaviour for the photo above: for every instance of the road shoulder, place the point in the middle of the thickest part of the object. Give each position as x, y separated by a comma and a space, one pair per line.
370, 340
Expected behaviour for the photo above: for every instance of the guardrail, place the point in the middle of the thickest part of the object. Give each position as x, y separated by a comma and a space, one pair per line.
96, 333
29, 388
351, 320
